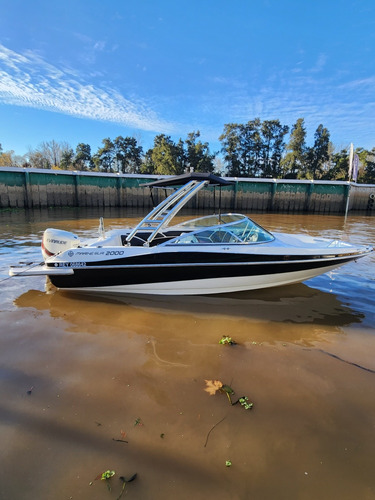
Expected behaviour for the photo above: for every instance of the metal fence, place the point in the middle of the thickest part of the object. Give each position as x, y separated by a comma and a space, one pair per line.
34, 188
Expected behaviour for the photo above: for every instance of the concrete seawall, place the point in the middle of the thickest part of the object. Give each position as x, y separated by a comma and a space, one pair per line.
34, 188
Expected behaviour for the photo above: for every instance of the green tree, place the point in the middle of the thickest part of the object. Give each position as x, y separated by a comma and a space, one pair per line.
340, 167
231, 146
67, 159
198, 157
368, 159
128, 154
294, 161
251, 148
254, 149
147, 166
242, 148
167, 157
317, 157
83, 160
104, 159
273, 134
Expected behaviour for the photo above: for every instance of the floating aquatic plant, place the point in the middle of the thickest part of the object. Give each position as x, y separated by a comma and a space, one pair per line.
244, 402
227, 340
107, 475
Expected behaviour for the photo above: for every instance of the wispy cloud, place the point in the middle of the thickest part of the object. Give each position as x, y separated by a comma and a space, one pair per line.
320, 63
364, 84
28, 80
345, 107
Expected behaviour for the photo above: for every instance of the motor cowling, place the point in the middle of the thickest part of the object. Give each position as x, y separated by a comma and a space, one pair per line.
55, 241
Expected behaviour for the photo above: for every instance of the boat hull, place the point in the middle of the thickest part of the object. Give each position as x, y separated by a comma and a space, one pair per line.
193, 279
203, 287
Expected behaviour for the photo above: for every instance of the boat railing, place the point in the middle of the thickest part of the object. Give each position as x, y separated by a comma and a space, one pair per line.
161, 215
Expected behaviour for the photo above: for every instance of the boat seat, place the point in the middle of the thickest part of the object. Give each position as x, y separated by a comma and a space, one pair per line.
140, 239
203, 239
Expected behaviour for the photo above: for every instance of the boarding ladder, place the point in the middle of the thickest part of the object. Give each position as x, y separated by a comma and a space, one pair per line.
161, 215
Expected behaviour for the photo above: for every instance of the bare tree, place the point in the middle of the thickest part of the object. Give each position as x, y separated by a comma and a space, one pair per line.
48, 154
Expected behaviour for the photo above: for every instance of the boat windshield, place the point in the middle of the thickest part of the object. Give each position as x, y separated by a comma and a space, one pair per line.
242, 231
212, 220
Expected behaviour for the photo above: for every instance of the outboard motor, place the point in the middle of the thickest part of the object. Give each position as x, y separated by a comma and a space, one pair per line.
56, 241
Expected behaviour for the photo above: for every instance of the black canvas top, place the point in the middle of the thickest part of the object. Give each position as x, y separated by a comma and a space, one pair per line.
180, 180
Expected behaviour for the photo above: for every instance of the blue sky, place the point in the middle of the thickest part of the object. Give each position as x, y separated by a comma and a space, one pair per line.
79, 71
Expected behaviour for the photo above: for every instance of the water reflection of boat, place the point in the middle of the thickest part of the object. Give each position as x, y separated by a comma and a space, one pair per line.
296, 304
209, 255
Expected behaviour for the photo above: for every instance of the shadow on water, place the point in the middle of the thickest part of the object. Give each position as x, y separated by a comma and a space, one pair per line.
296, 313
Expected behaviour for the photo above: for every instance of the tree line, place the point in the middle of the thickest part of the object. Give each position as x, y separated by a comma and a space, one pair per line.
253, 149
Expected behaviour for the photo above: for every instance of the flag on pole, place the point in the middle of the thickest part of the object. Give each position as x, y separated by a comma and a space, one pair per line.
351, 154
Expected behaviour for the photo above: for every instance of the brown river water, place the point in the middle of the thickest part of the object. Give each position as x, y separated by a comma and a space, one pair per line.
89, 385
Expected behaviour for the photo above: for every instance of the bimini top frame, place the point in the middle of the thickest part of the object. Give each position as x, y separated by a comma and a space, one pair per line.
161, 215
180, 180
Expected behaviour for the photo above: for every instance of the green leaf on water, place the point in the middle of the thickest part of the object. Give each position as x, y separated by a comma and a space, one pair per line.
227, 389
107, 475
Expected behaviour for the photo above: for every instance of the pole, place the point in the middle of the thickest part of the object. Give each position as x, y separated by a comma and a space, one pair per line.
347, 202
351, 154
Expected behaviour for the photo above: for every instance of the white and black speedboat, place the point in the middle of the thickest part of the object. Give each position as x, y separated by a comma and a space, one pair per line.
215, 254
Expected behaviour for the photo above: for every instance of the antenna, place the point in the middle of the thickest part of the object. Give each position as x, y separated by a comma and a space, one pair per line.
101, 229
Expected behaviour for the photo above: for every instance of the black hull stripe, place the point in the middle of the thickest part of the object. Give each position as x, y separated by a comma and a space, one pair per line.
86, 277
164, 258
